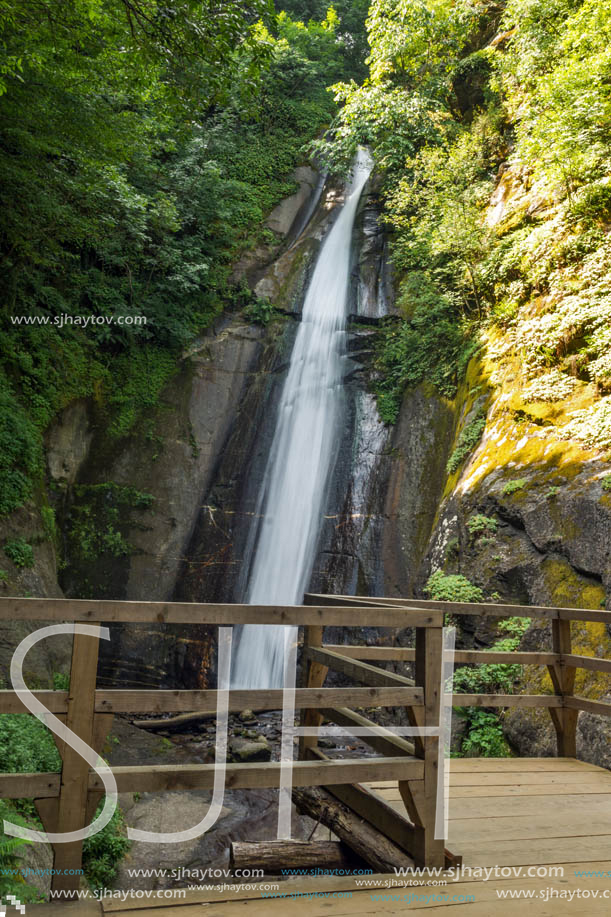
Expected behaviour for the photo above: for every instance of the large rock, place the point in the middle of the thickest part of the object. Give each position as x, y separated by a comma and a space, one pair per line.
287, 212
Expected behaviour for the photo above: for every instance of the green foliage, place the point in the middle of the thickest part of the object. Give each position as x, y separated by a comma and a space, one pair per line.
11, 881
102, 852
591, 426
27, 746
452, 588
431, 345
47, 514
606, 483
468, 439
513, 487
20, 552
261, 312
479, 524
555, 74
20, 452
484, 737
140, 153
495, 678
100, 519
61, 681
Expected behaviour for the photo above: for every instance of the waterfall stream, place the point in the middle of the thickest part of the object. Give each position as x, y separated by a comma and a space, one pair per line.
303, 450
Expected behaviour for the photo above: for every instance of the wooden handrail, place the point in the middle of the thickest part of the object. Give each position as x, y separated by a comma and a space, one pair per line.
106, 611
471, 657
478, 609
168, 701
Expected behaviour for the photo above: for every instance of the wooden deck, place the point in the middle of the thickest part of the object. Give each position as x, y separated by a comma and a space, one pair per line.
525, 812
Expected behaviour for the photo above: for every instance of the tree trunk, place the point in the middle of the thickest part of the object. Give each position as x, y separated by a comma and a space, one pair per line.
366, 841
274, 856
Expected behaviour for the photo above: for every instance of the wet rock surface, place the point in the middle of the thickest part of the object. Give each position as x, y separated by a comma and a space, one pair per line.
246, 815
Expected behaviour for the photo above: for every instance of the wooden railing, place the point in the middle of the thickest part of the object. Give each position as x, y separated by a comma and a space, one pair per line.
562, 664
67, 801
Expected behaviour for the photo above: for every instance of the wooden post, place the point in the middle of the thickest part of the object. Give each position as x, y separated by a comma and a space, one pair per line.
314, 675
563, 679
72, 807
420, 797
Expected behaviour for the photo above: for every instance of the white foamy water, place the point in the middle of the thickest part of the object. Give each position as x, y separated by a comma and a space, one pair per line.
291, 502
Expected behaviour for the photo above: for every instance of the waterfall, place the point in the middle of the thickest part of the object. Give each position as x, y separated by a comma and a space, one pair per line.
291, 501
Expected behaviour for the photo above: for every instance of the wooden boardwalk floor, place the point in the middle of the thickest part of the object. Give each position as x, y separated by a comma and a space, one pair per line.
525, 812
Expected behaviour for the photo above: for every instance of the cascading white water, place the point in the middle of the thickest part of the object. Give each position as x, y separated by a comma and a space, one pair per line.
291, 501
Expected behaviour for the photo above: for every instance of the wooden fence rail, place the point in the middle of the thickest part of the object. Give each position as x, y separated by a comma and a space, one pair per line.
67, 800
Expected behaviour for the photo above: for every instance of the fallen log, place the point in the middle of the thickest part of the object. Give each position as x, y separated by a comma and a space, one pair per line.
180, 721
367, 842
274, 856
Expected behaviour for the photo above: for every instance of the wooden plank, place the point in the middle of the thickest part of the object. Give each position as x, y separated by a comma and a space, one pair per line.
461, 657
581, 614
164, 701
360, 671
539, 851
84, 907
153, 778
575, 776
385, 744
482, 609
313, 675
526, 789
588, 783
563, 679
524, 765
506, 700
574, 805
71, 813
480, 657
199, 613
478, 609
54, 701
373, 653
421, 800
594, 663
251, 894
29, 786
588, 706
468, 832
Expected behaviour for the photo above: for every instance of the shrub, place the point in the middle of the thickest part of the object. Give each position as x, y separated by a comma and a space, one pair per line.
432, 345
452, 588
20, 552
499, 677
27, 746
100, 518
591, 426
61, 681
104, 851
513, 486
467, 441
552, 386
261, 312
20, 453
606, 483
484, 737
11, 881
480, 525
